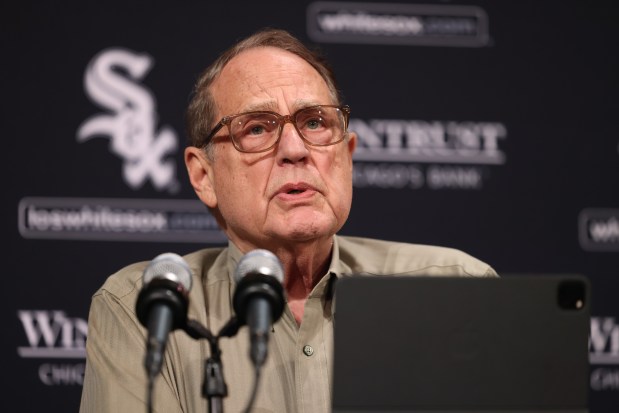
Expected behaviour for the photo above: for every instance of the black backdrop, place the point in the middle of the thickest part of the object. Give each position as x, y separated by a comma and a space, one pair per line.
485, 126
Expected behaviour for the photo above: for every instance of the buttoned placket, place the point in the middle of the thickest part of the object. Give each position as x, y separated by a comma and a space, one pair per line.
313, 361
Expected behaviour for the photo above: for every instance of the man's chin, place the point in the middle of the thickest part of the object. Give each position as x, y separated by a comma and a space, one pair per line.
304, 231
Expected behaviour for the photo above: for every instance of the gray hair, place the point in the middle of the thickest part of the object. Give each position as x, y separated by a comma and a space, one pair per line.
201, 109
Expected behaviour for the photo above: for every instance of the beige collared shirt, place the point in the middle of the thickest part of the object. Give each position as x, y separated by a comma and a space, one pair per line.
297, 374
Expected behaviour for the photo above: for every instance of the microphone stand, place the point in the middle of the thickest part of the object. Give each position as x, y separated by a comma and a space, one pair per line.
214, 387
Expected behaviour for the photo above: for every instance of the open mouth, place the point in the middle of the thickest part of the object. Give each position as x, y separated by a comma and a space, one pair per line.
296, 191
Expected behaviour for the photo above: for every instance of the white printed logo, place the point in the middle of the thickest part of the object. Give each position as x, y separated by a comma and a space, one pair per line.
604, 342
598, 229
391, 153
111, 81
51, 334
604, 354
419, 141
403, 24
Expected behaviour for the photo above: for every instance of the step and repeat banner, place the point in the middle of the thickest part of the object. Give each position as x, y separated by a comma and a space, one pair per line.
491, 127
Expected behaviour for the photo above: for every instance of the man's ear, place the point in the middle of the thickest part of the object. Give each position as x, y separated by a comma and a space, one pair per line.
351, 143
200, 171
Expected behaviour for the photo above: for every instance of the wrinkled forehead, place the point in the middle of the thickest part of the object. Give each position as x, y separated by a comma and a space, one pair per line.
262, 77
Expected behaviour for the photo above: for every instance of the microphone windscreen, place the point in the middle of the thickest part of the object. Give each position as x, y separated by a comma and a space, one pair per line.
169, 266
259, 262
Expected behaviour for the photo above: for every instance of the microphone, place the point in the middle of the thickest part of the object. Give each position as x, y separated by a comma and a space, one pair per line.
259, 298
162, 305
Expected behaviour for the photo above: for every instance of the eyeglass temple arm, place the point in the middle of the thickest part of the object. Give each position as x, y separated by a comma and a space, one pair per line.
216, 129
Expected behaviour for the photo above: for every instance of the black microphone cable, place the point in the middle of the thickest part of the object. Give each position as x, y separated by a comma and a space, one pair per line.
254, 391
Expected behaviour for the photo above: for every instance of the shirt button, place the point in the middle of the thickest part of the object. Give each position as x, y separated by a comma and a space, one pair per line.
308, 350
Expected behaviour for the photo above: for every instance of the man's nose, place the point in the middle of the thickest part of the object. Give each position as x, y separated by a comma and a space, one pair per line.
291, 147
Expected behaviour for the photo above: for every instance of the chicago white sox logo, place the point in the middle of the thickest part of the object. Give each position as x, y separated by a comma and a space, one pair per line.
111, 80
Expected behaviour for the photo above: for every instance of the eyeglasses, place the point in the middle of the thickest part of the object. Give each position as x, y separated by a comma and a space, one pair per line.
254, 132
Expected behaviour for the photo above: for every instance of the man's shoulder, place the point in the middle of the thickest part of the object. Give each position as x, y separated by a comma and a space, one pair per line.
376, 256
128, 280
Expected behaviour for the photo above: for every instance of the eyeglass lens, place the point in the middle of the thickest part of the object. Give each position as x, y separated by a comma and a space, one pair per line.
253, 132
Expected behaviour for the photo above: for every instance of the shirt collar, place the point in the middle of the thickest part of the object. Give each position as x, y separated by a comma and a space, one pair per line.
324, 289
338, 267
234, 256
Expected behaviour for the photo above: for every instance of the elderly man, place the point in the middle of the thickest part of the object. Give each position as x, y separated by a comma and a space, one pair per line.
271, 157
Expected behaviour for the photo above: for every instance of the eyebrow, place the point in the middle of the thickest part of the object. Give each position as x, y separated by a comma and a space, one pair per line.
272, 105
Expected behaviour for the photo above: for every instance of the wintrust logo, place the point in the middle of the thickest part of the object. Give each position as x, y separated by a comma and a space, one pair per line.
51, 334
604, 353
54, 335
428, 142
398, 153
112, 81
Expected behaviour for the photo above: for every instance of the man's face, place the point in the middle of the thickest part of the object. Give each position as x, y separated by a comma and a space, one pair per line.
293, 192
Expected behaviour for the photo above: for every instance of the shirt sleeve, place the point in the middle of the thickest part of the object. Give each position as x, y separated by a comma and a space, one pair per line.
115, 377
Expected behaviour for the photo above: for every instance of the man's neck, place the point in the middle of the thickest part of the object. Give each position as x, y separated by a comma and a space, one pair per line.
304, 267
304, 264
